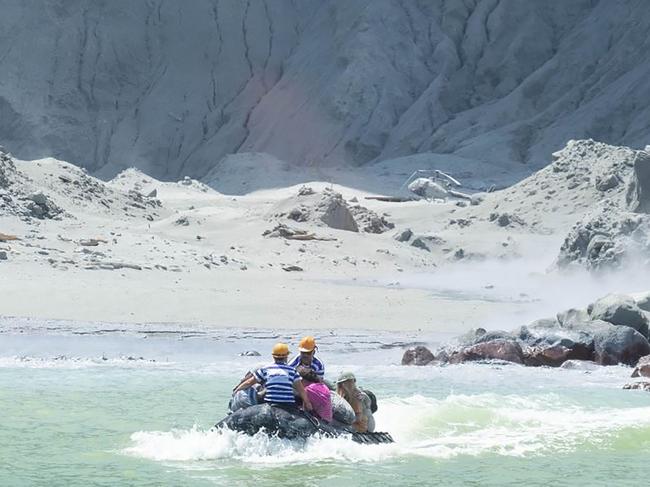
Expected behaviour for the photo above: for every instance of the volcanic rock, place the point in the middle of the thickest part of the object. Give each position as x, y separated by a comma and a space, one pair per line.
620, 310
419, 355
500, 349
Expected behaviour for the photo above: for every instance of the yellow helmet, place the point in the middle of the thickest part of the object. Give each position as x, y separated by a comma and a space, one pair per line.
307, 344
280, 350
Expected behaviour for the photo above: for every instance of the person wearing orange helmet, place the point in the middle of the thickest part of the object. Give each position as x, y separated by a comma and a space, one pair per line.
279, 379
307, 362
312, 371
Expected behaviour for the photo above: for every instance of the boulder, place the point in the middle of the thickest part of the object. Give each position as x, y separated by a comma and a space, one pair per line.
419, 243
642, 368
336, 214
607, 182
572, 316
3, 255
638, 194
620, 310
500, 349
619, 345
644, 302
42, 207
557, 354
404, 236
419, 355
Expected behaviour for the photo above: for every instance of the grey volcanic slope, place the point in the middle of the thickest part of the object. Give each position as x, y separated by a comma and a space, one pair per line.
171, 86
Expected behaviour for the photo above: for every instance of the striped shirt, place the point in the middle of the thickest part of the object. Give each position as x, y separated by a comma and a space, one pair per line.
316, 365
278, 380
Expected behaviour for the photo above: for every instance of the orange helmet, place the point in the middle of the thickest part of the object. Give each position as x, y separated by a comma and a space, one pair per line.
280, 350
307, 344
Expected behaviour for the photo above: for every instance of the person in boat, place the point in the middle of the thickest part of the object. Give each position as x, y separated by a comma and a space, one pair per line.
280, 380
312, 372
307, 359
346, 387
250, 396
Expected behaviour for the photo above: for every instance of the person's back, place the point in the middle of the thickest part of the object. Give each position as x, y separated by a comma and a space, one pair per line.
366, 404
279, 380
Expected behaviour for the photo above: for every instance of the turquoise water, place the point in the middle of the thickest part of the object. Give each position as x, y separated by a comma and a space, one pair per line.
78, 411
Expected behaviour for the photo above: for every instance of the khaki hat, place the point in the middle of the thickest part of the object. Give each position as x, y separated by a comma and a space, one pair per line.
346, 376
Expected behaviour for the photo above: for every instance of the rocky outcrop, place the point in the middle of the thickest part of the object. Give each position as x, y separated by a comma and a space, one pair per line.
329, 208
419, 355
642, 368
606, 240
638, 195
335, 213
612, 331
42, 207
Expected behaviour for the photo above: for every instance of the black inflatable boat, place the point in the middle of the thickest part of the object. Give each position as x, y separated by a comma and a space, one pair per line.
292, 423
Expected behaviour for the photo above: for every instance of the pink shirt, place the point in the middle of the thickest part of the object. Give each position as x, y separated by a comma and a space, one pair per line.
319, 396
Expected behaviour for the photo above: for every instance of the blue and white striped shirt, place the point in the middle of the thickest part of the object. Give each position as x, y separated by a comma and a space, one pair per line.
316, 365
278, 380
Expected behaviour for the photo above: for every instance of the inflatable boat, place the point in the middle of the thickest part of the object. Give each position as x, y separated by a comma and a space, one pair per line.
292, 423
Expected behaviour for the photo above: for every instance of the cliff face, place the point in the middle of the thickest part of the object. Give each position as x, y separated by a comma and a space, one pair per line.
171, 87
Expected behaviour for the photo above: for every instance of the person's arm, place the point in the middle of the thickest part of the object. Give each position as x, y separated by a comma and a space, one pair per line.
245, 384
300, 389
248, 375
361, 422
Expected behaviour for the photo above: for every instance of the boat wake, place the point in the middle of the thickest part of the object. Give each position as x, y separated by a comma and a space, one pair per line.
459, 425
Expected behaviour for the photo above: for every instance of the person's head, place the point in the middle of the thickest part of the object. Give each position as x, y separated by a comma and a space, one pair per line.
307, 348
346, 382
280, 353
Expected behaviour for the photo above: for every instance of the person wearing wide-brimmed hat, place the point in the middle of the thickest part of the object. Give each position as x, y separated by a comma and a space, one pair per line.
346, 387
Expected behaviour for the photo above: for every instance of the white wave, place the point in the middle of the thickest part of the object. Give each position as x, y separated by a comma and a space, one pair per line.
470, 425
65, 362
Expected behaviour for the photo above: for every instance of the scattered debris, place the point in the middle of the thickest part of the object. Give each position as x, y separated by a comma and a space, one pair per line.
292, 268
283, 231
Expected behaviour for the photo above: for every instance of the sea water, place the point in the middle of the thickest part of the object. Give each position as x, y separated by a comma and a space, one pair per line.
108, 405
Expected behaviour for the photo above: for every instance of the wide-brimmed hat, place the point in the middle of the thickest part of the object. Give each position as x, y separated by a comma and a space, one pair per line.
345, 376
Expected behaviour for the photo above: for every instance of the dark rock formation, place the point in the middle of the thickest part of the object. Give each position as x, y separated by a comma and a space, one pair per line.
499, 349
619, 345
419, 355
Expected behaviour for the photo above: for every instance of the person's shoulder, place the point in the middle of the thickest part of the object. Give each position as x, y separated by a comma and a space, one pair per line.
318, 363
294, 361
